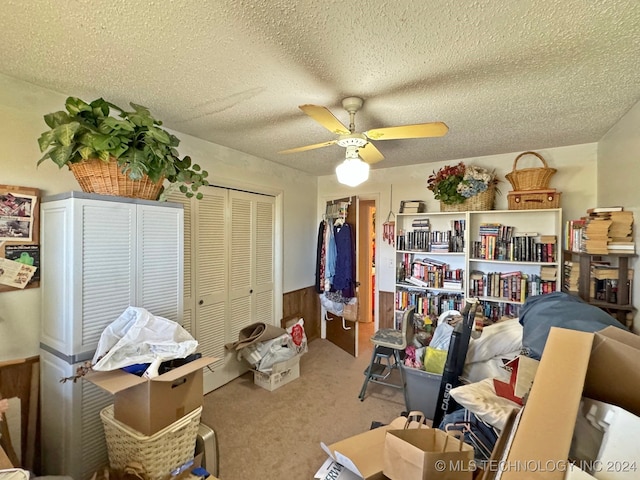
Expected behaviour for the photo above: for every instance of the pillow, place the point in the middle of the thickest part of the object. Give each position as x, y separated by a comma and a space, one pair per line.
498, 339
481, 398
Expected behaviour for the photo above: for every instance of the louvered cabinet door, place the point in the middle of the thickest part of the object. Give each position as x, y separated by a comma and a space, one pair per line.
159, 263
88, 261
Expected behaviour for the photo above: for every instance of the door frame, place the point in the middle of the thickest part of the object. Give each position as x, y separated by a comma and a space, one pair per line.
375, 197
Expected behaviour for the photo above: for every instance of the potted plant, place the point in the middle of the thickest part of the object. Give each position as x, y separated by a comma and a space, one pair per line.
93, 143
461, 187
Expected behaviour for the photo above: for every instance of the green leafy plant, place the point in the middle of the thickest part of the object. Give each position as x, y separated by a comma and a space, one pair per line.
134, 139
453, 185
444, 184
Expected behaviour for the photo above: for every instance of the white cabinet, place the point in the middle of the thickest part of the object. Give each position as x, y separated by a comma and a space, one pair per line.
99, 255
502, 257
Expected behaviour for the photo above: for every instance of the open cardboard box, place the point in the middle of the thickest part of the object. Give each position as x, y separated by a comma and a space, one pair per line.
149, 405
362, 454
603, 366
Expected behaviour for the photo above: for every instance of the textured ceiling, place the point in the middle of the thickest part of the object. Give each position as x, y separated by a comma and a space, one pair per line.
505, 76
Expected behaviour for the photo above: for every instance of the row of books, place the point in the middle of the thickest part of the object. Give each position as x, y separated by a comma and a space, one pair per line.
430, 273
602, 231
606, 290
512, 286
518, 249
425, 240
494, 311
428, 303
502, 232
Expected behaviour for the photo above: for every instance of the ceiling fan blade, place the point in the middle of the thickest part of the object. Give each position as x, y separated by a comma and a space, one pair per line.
420, 130
325, 118
370, 154
309, 147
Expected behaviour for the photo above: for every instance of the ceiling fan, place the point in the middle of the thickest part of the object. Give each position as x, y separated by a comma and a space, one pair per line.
359, 144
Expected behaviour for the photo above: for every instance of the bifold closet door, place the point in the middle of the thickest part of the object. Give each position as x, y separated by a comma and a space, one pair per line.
229, 272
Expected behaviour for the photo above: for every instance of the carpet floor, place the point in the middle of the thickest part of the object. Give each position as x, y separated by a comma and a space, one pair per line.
277, 435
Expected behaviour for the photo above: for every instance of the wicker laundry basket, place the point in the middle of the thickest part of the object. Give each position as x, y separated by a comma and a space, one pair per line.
159, 453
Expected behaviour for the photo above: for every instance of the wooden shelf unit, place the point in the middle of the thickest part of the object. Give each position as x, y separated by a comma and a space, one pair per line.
585, 260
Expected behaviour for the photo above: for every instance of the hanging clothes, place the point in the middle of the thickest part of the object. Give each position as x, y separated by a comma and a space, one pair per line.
320, 258
330, 258
343, 278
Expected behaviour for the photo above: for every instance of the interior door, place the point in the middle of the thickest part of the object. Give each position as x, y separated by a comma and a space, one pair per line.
344, 333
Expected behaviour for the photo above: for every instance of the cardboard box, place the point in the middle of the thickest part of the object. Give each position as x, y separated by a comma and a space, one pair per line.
149, 405
281, 374
362, 453
523, 371
602, 366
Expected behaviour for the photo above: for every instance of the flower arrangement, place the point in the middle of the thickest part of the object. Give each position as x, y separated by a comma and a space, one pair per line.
453, 185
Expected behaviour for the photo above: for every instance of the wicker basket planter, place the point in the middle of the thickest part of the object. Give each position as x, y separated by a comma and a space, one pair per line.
482, 201
530, 178
96, 176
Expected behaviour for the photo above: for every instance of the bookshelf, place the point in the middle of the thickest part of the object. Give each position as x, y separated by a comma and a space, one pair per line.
499, 256
583, 283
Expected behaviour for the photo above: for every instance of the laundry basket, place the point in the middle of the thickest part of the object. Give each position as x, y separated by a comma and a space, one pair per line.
159, 453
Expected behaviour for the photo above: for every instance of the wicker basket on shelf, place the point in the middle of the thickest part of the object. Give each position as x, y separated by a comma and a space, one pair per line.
482, 201
530, 178
96, 176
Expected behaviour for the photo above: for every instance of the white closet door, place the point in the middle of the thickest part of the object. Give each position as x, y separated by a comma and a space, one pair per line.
211, 285
229, 253
251, 267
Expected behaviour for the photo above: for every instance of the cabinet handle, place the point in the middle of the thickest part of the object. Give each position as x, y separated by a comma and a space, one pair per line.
201, 302
251, 291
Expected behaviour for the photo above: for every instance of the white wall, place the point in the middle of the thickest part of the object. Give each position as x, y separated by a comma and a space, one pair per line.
22, 107
576, 179
618, 172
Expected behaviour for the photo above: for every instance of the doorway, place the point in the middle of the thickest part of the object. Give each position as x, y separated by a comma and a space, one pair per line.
353, 335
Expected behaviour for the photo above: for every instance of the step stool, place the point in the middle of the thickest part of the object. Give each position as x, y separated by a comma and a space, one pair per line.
384, 361
207, 444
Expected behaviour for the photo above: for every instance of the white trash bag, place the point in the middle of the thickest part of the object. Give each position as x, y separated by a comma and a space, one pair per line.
137, 336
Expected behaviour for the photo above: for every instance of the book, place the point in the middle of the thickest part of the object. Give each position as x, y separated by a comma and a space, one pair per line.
412, 206
604, 209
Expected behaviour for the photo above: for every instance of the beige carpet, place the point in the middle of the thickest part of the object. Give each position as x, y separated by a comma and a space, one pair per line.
277, 435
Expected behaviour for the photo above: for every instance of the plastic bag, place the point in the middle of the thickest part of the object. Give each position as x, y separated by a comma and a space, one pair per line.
441, 336
137, 336
298, 336
434, 360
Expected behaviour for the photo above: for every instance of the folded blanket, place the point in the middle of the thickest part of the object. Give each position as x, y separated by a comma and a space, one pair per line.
256, 332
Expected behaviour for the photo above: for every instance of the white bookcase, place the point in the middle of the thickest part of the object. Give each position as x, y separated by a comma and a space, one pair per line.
497, 280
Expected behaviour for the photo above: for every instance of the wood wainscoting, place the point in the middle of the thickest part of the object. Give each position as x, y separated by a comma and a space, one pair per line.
387, 308
306, 303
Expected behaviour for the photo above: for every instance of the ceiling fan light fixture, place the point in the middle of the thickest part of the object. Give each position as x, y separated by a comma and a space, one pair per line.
352, 172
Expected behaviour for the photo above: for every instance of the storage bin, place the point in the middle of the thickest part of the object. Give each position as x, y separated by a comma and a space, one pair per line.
422, 390
159, 453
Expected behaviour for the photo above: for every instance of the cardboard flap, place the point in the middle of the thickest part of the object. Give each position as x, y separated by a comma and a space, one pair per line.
613, 374
362, 453
185, 369
115, 381
544, 434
